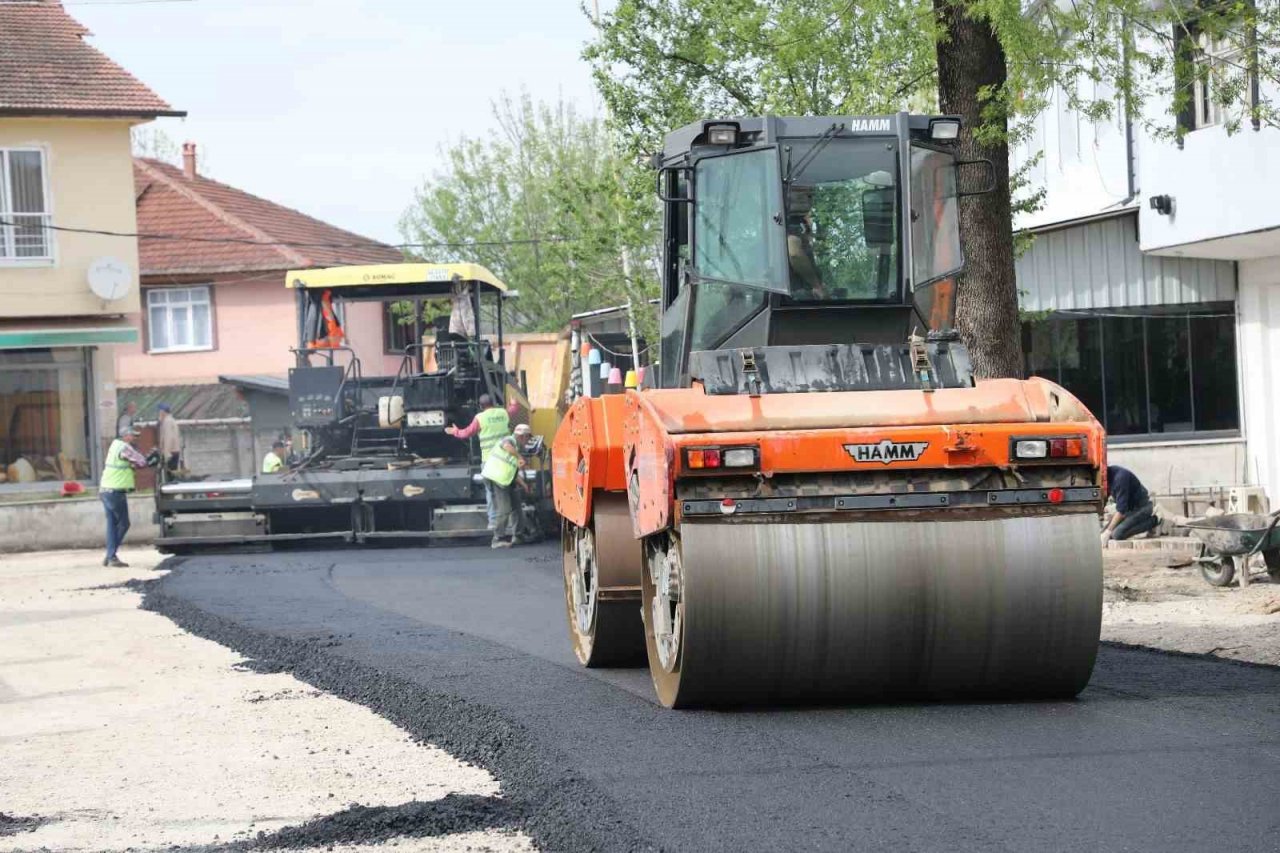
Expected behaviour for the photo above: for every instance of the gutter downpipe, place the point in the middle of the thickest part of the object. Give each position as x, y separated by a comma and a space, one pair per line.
1131, 173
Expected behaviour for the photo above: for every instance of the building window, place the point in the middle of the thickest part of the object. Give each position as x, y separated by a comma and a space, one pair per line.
1216, 68
179, 319
24, 207
397, 326
44, 415
1221, 82
1150, 372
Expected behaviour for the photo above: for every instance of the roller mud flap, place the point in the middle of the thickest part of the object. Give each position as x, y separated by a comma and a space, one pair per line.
869, 611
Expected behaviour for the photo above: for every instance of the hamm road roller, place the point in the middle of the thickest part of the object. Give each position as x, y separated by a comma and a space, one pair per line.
811, 497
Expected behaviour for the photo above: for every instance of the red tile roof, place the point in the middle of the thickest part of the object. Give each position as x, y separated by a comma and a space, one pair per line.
47, 68
171, 203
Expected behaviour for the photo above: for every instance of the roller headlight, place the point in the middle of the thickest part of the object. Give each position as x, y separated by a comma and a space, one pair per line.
1031, 448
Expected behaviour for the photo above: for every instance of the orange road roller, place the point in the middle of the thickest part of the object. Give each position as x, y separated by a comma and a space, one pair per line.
810, 497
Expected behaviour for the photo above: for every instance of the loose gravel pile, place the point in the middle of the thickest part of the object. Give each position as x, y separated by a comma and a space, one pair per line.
124, 733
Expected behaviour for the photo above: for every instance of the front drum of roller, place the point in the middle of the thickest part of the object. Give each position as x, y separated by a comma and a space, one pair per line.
602, 565
741, 613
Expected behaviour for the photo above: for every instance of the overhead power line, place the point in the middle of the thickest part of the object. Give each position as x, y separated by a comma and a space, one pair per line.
244, 241
121, 2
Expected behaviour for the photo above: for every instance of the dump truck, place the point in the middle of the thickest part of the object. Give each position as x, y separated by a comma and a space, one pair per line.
372, 459
811, 497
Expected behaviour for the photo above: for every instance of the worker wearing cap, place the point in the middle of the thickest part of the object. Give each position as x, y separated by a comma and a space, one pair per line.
492, 423
527, 445
499, 473
1134, 513
113, 490
168, 437
273, 462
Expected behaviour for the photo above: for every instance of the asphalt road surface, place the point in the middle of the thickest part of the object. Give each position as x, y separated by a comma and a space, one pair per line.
469, 649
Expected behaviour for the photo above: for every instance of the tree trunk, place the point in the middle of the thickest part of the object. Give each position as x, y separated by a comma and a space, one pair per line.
971, 57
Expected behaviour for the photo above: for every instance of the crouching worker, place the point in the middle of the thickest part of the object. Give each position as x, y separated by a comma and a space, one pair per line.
499, 472
114, 487
1134, 513
524, 530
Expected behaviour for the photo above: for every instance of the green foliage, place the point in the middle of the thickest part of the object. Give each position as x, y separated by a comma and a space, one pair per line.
541, 204
402, 311
662, 63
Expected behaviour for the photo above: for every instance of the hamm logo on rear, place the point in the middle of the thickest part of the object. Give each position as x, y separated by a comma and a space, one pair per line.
887, 451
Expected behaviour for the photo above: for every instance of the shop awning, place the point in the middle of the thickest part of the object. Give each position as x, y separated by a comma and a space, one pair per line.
55, 336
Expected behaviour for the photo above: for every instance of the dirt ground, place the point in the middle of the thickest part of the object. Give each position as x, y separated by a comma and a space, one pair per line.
1149, 602
119, 731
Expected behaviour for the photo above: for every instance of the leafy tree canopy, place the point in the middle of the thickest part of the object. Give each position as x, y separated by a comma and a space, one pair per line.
539, 203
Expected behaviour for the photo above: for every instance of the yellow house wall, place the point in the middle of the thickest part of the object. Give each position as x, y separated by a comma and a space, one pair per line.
90, 178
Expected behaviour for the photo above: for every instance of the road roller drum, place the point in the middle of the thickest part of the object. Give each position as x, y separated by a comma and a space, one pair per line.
866, 611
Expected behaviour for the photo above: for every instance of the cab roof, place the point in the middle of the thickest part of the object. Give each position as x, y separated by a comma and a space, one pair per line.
382, 280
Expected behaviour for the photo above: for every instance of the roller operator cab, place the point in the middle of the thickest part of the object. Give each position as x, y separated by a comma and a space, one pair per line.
812, 497
371, 456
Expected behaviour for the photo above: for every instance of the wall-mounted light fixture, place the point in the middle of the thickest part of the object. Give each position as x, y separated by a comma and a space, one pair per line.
1162, 204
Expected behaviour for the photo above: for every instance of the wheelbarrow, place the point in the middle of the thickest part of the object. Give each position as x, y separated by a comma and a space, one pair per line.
1228, 541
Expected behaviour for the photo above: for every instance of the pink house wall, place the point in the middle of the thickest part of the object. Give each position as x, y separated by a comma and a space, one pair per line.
254, 327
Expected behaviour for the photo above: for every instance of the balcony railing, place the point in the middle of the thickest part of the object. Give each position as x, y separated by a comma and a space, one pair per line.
25, 237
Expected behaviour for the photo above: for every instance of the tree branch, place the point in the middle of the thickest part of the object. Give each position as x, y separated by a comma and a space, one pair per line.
744, 100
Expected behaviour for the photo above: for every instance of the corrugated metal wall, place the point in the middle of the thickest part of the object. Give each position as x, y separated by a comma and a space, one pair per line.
1258, 342
1098, 265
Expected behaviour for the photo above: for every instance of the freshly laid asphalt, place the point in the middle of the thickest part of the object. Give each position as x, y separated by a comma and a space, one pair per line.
468, 648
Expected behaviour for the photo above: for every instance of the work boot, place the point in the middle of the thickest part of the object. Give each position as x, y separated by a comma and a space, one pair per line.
117, 563
500, 543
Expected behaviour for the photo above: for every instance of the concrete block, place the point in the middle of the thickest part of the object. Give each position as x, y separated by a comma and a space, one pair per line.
50, 525
1160, 543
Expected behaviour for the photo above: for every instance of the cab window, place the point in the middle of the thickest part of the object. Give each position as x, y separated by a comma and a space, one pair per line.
738, 216
842, 222
935, 217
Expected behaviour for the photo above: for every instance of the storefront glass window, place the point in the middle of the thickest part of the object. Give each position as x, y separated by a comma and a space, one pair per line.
44, 416
1146, 372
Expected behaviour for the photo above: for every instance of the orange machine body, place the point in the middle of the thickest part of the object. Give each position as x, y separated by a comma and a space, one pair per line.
637, 441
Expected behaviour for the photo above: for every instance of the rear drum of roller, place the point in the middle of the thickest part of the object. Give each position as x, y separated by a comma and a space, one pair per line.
747, 613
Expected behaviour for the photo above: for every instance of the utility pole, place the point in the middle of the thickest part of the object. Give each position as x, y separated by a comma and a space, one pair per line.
626, 253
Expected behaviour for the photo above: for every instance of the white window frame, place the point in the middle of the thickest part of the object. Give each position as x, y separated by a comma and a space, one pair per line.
193, 293
8, 256
1211, 55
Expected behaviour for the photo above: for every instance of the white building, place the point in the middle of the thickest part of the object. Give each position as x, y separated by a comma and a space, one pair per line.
1153, 289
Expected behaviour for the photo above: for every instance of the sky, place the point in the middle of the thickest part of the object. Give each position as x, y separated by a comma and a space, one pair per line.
338, 108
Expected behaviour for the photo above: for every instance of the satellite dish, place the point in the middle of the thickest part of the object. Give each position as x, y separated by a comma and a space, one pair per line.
110, 278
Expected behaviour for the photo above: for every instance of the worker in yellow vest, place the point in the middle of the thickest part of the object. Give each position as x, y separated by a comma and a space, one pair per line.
492, 423
273, 462
499, 472
113, 489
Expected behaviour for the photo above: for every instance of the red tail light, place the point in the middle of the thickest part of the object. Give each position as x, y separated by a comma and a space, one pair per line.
742, 457
1066, 447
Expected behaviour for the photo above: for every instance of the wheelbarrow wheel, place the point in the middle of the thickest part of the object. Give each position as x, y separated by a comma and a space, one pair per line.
1272, 559
1218, 570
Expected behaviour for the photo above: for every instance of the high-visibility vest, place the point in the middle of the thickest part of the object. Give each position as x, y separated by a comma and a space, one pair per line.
271, 463
495, 425
117, 472
501, 466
